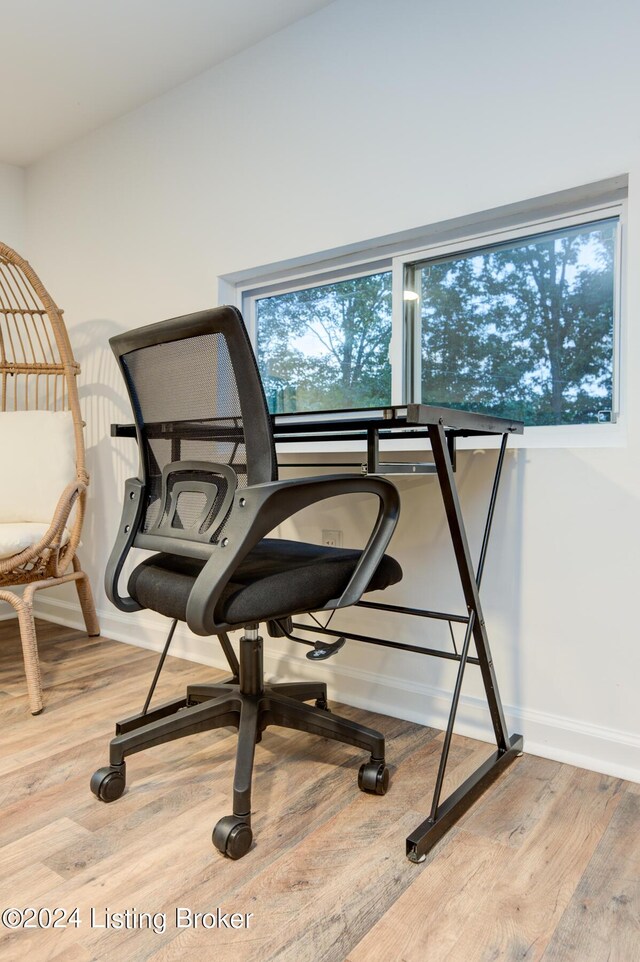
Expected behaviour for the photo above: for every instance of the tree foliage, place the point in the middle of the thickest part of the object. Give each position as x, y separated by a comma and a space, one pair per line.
522, 330
327, 347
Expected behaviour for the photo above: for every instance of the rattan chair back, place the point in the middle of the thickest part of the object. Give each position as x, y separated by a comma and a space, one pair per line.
39, 372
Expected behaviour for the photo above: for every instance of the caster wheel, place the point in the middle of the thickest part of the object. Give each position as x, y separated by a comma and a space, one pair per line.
323, 704
373, 778
232, 836
107, 784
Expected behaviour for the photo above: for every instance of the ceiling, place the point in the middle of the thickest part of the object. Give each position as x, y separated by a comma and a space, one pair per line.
68, 66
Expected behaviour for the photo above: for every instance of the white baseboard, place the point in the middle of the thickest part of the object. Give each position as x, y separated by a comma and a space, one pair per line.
605, 750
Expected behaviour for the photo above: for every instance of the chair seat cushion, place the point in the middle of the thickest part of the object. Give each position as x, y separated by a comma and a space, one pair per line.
15, 537
276, 579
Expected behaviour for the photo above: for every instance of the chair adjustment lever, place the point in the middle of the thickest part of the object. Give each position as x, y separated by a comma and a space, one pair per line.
325, 649
281, 628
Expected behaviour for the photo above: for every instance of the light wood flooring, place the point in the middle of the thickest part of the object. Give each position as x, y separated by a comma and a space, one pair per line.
546, 866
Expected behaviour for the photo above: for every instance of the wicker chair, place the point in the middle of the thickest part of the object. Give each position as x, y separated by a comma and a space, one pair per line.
39, 373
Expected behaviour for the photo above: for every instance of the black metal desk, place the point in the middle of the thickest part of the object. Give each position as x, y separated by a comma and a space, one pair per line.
442, 426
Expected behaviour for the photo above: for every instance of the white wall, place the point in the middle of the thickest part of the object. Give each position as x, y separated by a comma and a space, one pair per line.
12, 206
365, 119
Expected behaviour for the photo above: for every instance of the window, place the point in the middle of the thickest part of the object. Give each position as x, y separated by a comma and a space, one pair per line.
522, 329
518, 316
326, 347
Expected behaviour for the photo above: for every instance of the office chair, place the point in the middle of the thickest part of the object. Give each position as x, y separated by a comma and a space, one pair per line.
205, 499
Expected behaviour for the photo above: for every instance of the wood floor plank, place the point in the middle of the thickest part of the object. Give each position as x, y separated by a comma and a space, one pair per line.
301, 903
425, 922
543, 867
74, 953
61, 833
607, 899
29, 884
521, 893
519, 800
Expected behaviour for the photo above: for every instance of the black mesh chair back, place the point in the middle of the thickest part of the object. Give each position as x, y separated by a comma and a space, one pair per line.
202, 420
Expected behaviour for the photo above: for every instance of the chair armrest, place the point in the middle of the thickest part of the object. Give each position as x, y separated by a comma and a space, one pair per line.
131, 515
260, 508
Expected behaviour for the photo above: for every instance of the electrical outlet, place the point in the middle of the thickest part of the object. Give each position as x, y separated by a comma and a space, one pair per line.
331, 538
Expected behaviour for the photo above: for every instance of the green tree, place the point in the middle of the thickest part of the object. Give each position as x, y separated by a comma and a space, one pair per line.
523, 330
327, 346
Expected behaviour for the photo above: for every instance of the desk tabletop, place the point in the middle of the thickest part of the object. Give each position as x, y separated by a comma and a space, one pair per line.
393, 418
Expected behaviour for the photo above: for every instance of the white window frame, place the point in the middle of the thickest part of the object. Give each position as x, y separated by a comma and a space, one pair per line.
396, 252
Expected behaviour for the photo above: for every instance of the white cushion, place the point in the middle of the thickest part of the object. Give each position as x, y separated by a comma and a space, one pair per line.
14, 538
38, 461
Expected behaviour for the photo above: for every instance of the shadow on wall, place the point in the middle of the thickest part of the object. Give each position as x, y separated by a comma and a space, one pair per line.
423, 547
109, 462
501, 589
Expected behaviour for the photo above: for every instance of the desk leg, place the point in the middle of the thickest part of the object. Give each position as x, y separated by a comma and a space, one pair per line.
444, 815
468, 579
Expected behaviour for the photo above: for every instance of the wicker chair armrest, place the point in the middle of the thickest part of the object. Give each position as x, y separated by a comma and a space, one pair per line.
65, 503
54, 531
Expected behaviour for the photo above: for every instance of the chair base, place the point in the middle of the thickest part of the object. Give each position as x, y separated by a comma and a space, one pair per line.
250, 706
